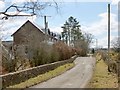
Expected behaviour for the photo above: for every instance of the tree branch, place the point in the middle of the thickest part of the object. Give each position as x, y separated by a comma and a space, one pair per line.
30, 8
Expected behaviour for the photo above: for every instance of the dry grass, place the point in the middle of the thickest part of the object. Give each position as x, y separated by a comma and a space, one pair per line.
44, 77
102, 78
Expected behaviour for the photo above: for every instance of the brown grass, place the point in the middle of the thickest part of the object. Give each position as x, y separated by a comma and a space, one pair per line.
102, 78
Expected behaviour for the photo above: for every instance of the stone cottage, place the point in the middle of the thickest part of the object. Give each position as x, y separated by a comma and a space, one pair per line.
30, 35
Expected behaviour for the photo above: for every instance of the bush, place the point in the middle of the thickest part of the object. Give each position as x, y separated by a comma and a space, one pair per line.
113, 67
54, 56
64, 51
8, 65
44, 54
112, 63
14, 64
81, 52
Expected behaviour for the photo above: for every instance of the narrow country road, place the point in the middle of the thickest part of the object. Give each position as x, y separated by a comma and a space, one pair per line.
77, 77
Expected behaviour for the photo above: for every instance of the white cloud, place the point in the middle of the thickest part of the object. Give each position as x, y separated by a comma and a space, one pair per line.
8, 27
99, 29
103, 42
115, 2
56, 29
2, 5
22, 1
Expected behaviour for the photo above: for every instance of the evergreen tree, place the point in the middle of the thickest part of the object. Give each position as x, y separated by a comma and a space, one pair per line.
65, 34
71, 31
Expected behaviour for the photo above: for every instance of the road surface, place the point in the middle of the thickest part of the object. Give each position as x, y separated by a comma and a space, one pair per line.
77, 77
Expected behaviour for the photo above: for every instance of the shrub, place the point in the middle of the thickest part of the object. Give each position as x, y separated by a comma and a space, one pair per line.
64, 51
14, 64
113, 66
8, 65
35, 56
54, 56
39, 57
44, 54
81, 52
112, 63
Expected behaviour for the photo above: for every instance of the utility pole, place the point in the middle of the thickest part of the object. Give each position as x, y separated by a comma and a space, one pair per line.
108, 31
96, 44
45, 21
46, 25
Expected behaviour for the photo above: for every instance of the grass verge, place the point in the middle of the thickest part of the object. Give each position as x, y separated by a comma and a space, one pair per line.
44, 77
102, 78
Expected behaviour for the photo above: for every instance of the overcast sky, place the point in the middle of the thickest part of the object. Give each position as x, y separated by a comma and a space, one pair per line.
92, 16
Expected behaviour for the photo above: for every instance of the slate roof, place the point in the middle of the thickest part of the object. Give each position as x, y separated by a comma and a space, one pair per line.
39, 28
36, 25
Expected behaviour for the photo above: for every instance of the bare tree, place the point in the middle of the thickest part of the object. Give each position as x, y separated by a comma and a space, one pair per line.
116, 44
30, 8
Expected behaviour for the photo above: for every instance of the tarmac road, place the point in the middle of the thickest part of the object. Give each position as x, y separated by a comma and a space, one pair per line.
77, 77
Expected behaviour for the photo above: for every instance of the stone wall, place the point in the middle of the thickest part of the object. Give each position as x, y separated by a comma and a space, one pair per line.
21, 76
